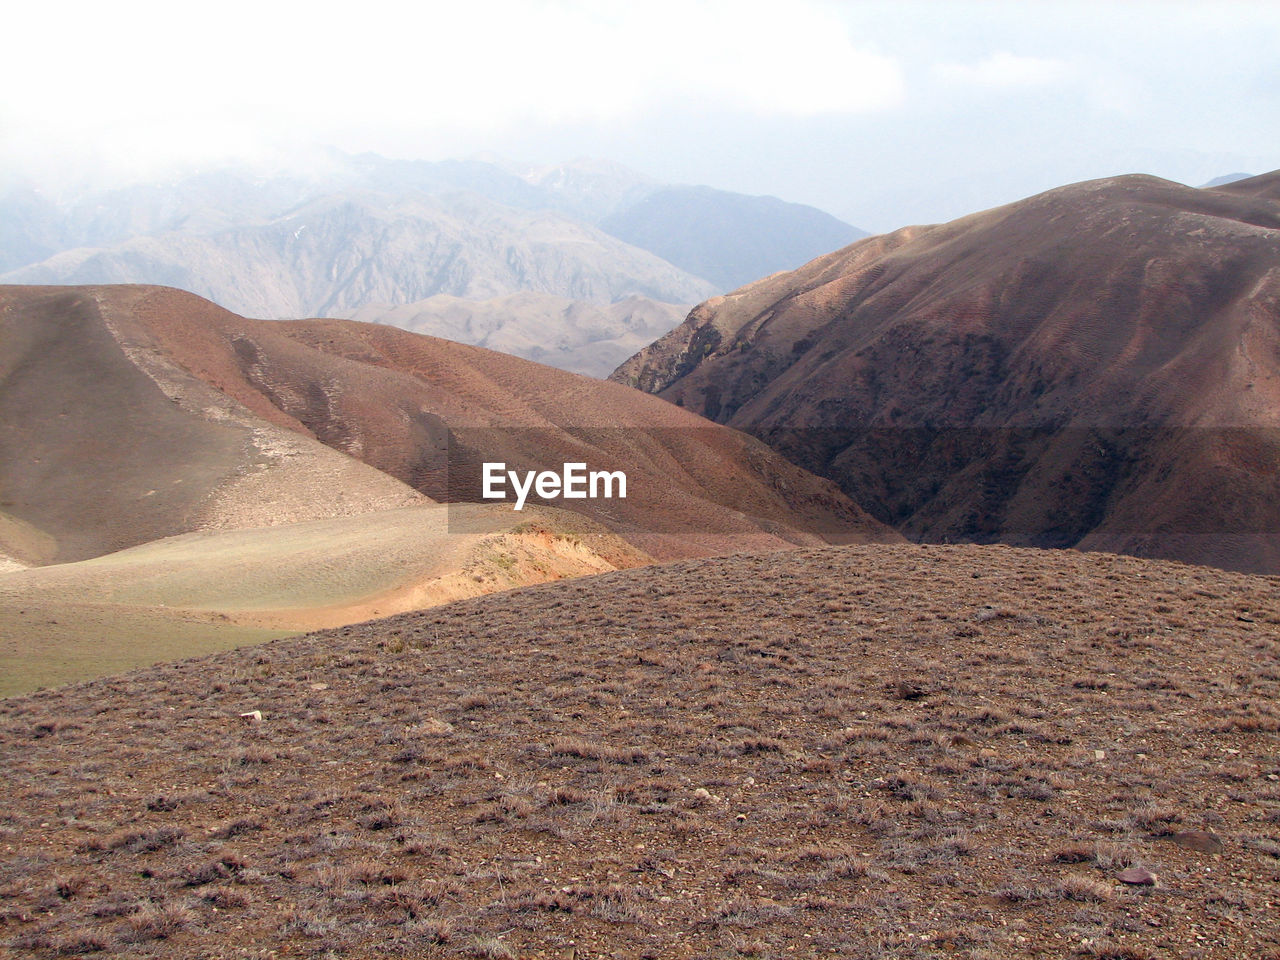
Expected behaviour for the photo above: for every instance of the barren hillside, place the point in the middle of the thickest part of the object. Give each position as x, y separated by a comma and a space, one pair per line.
889, 751
1098, 365
428, 412
105, 444
182, 479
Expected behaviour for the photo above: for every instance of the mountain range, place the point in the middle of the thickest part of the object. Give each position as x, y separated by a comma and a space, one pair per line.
365, 231
750, 720
1097, 367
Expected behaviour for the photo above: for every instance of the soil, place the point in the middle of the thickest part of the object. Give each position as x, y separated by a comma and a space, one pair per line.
892, 751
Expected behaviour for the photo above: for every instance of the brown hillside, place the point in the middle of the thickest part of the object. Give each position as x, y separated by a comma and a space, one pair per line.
1264, 185
392, 398
1096, 366
889, 751
106, 445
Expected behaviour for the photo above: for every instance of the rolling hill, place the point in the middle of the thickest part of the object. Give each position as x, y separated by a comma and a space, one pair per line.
890, 751
1097, 366
180, 478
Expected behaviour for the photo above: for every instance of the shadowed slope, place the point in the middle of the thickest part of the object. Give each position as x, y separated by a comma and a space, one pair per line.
1098, 366
103, 446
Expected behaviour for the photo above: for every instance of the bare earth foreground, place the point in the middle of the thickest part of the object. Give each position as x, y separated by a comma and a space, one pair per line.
889, 751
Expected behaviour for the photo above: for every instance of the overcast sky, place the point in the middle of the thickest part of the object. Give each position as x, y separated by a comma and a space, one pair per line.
881, 113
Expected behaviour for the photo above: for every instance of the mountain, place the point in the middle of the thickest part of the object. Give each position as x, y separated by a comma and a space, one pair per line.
729, 238
587, 189
336, 254
104, 371
354, 231
896, 752
174, 477
572, 335
1097, 366
1225, 179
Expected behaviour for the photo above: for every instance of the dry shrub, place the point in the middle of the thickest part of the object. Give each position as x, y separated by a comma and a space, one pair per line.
153, 922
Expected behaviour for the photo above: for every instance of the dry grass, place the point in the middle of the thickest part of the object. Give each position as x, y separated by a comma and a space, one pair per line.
824, 753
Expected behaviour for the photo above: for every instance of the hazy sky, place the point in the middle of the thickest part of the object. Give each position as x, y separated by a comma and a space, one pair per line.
882, 113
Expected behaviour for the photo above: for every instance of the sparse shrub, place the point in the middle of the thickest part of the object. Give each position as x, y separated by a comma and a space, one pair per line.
488, 948
153, 922
226, 898
596, 750
145, 841
1073, 853
437, 930
67, 885
1086, 889
237, 828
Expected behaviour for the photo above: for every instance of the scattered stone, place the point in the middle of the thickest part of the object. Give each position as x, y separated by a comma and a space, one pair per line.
1137, 877
1200, 840
253, 716
432, 727
1099, 754
319, 686
702, 793
906, 690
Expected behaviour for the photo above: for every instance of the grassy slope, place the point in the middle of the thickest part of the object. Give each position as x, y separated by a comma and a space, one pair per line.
201, 592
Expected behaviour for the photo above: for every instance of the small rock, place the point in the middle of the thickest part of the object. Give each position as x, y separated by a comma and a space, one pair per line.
702, 793
906, 690
1200, 840
253, 716
433, 727
319, 686
1137, 877
1099, 754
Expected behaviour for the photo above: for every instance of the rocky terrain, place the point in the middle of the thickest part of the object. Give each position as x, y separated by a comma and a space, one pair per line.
1096, 366
890, 751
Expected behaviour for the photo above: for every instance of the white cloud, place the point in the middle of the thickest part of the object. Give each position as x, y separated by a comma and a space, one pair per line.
1004, 71
147, 80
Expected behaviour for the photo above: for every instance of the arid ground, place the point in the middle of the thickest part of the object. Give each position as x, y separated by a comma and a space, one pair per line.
867, 751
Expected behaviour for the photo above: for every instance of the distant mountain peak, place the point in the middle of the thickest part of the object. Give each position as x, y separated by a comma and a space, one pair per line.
1225, 179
